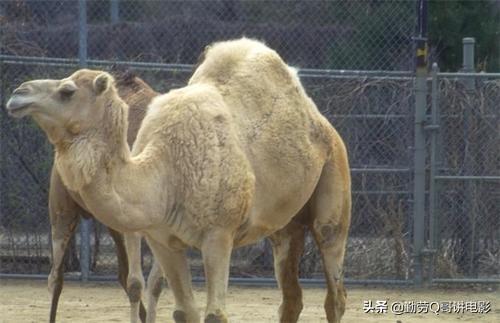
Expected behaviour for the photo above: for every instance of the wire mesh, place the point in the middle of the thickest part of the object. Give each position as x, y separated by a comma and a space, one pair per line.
373, 114
468, 202
316, 34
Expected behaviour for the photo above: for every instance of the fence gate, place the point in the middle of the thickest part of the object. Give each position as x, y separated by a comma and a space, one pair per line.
464, 185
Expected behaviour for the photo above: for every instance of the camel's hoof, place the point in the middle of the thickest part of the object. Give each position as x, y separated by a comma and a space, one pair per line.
212, 318
180, 317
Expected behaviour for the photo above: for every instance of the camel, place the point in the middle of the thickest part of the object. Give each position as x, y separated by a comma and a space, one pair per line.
65, 207
239, 154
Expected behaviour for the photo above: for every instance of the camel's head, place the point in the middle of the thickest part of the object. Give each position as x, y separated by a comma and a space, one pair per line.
63, 107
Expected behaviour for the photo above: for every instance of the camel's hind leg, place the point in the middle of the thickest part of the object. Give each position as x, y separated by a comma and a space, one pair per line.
288, 245
153, 290
330, 208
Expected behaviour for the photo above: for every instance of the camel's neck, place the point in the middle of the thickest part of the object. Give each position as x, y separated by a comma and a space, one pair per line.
80, 156
121, 197
98, 166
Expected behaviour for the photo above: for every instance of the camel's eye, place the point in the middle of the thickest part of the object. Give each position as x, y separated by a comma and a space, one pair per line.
67, 89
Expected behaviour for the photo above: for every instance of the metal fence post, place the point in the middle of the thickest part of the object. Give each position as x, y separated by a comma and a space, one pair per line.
82, 33
468, 60
419, 143
434, 164
84, 223
2, 104
114, 11
468, 45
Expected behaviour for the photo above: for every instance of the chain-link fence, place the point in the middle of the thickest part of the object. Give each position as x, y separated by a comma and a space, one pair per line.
372, 110
314, 34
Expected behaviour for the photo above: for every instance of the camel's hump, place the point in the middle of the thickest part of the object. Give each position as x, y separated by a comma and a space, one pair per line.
233, 59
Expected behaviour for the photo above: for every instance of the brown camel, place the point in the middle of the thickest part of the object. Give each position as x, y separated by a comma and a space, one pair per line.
65, 207
238, 154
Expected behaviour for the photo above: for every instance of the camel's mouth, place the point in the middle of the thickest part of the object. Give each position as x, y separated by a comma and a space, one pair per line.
18, 112
17, 106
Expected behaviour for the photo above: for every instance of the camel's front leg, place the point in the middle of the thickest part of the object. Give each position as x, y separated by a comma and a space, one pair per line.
176, 270
123, 266
64, 216
216, 251
135, 280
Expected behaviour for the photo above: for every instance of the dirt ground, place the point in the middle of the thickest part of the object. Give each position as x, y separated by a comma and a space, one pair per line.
28, 301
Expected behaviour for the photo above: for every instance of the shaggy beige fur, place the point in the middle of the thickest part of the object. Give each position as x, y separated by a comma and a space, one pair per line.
239, 154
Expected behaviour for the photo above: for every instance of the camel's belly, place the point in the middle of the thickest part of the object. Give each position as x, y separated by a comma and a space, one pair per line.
272, 212
175, 239
263, 224
282, 187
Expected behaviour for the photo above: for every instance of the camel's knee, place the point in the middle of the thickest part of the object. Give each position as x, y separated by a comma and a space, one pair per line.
157, 288
325, 234
134, 289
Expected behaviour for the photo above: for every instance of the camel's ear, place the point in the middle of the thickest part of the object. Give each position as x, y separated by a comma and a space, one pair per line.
67, 88
101, 83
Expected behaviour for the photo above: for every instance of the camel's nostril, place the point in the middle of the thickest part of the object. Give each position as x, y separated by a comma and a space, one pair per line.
21, 90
